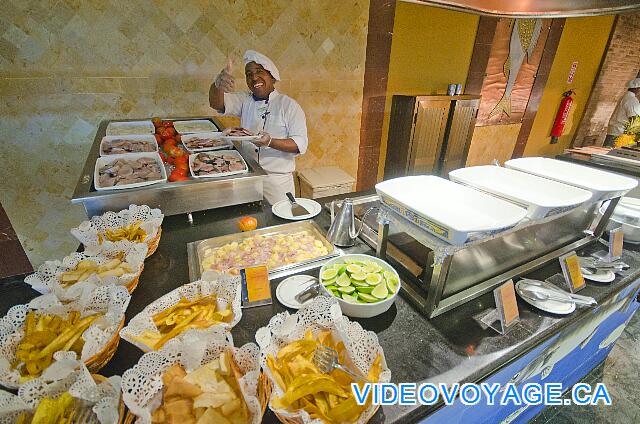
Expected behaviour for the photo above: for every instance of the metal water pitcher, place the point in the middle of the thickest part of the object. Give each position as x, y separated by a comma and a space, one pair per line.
342, 231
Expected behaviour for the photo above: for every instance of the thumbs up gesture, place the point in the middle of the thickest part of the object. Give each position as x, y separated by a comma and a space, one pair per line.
224, 80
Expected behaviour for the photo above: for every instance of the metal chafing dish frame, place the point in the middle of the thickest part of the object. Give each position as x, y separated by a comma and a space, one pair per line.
194, 248
172, 198
428, 290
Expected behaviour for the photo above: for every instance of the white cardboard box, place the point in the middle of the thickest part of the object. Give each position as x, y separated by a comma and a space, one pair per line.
324, 181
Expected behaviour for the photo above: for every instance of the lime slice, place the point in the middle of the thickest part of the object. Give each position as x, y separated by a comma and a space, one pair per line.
390, 295
332, 287
392, 284
329, 274
380, 291
349, 298
348, 289
335, 293
341, 268
366, 290
329, 282
359, 283
361, 301
343, 280
373, 279
371, 267
389, 275
368, 298
353, 269
361, 276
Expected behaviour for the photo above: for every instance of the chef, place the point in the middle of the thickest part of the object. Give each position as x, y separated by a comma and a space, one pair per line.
628, 107
275, 117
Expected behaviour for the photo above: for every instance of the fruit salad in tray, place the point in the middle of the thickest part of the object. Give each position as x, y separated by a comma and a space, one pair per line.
276, 247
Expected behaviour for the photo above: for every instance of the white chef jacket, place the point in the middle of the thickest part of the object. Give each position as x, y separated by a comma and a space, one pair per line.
627, 107
280, 116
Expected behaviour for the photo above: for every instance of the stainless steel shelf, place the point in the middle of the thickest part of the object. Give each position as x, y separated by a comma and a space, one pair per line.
171, 198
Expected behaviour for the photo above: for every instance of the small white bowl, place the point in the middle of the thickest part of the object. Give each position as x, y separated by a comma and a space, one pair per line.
362, 310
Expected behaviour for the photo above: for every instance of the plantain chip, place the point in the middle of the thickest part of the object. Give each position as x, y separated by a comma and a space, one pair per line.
327, 397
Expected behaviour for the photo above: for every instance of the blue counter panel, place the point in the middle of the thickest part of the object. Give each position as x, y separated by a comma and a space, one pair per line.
564, 358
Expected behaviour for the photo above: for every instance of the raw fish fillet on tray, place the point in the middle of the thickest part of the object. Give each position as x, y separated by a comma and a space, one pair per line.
124, 145
124, 172
203, 142
217, 163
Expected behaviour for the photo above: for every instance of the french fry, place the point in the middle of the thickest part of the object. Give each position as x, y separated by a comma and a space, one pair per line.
86, 267
117, 272
131, 232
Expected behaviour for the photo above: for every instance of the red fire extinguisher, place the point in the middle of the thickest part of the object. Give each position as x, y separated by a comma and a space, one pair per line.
561, 116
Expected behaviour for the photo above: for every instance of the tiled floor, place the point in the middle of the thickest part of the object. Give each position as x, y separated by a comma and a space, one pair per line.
620, 373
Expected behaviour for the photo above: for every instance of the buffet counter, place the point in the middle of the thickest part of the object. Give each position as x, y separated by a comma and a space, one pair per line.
450, 348
194, 194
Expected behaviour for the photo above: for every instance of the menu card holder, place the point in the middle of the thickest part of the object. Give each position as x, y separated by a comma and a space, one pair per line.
571, 271
616, 240
256, 290
506, 312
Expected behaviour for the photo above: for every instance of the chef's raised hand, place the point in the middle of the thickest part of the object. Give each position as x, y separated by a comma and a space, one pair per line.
224, 80
264, 140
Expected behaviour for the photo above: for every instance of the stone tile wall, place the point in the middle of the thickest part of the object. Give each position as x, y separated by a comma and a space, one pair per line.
620, 64
67, 65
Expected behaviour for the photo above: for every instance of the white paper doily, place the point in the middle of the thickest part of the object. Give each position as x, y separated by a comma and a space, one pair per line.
87, 232
65, 374
322, 313
226, 288
110, 300
142, 384
47, 279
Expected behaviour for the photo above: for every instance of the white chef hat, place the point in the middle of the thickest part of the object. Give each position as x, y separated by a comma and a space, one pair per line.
260, 59
634, 83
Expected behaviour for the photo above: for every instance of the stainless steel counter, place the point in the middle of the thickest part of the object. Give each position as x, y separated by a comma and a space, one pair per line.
172, 198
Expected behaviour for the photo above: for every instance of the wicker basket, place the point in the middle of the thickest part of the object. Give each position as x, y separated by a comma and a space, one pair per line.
288, 420
96, 362
264, 393
154, 242
121, 413
131, 285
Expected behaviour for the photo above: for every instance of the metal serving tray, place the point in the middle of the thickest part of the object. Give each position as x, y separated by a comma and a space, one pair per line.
172, 198
195, 250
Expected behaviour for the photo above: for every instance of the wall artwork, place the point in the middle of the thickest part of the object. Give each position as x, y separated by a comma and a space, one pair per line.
513, 63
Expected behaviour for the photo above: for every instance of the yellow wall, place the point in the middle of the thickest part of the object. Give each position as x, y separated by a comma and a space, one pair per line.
431, 48
584, 41
63, 69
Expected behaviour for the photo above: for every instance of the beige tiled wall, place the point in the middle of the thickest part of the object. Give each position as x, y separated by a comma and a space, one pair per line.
67, 65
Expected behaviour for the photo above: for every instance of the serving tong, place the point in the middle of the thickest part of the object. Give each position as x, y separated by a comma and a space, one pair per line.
539, 291
325, 358
591, 265
312, 290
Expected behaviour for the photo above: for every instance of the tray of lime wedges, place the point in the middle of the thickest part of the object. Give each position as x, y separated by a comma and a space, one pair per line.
364, 285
